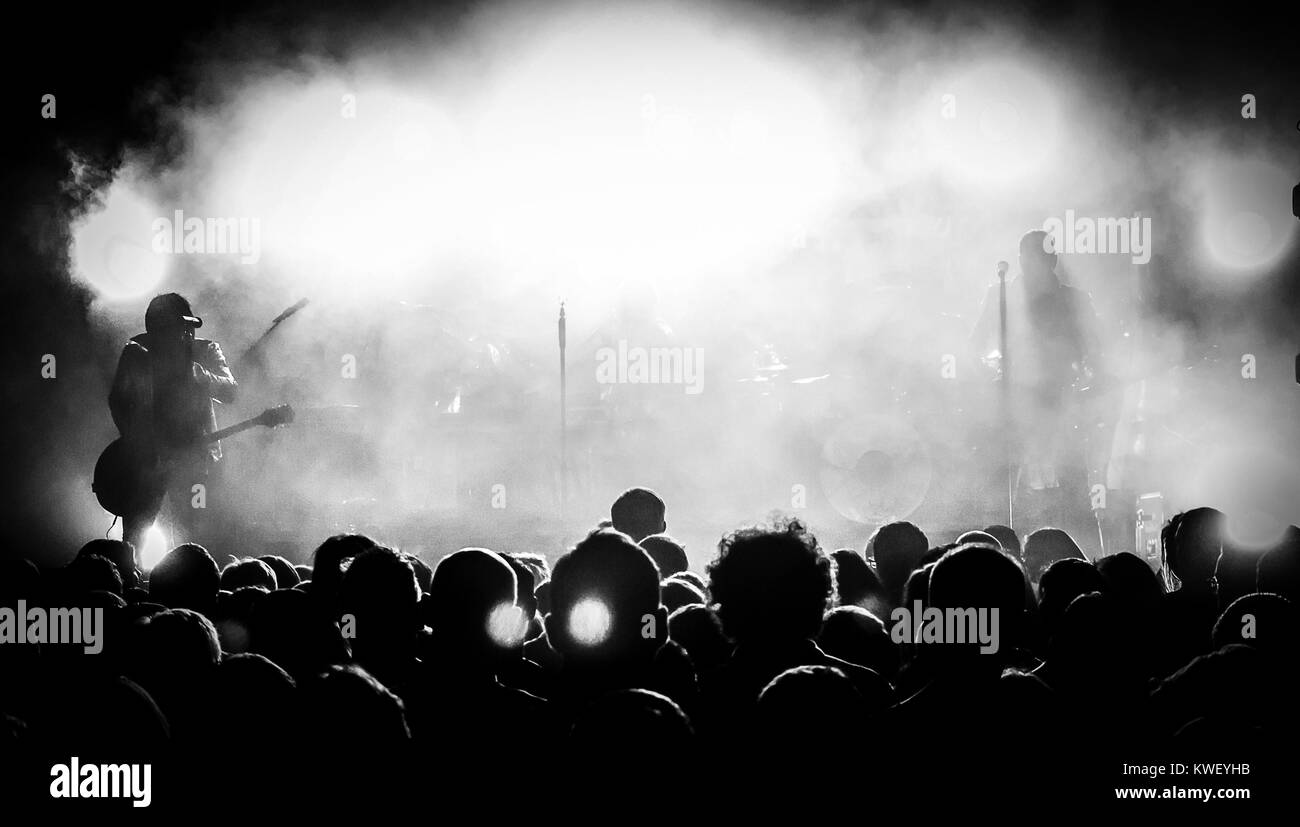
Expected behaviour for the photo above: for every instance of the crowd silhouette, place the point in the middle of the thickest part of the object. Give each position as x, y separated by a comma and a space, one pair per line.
617, 671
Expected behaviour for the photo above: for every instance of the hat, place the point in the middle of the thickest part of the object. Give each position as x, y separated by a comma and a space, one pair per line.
169, 310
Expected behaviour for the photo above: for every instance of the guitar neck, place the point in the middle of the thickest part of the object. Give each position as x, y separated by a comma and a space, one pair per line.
238, 427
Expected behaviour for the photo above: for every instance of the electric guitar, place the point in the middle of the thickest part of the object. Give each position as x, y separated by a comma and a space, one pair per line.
130, 479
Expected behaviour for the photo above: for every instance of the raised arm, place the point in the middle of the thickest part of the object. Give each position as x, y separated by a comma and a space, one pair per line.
212, 372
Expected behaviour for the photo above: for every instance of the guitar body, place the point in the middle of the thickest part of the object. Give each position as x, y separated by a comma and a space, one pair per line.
128, 480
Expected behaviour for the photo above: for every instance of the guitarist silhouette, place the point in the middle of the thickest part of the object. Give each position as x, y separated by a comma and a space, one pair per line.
162, 404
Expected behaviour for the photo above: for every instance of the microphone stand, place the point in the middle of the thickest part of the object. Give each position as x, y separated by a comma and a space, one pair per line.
1006, 393
564, 431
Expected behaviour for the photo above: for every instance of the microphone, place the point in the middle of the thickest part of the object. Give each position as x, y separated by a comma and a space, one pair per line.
299, 305
561, 326
1002, 269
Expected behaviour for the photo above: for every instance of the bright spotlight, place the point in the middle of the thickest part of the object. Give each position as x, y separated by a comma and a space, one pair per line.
702, 164
584, 161
112, 249
589, 622
506, 625
155, 547
376, 194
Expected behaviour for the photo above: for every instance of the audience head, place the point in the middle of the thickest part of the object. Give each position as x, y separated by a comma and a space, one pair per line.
856, 583
978, 577
897, 549
771, 583
536, 562
526, 586
1130, 581
186, 578
258, 701
605, 603
328, 563
1006, 535
381, 594
982, 538
473, 608
177, 652
1197, 544
1044, 547
88, 573
694, 579
918, 586
668, 554
677, 593
1063, 581
638, 513
248, 572
1265, 621
120, 553
287, 629
234, 617
347, 709
1094, 653
286, 575
854, 634
423, 574
698, 630
805, 707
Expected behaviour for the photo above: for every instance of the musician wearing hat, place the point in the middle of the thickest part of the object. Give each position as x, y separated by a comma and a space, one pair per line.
162, 403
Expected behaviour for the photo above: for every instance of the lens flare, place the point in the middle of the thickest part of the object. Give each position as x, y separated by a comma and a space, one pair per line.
1254, 529
1246, 221
506, 625
589, 622
112, 248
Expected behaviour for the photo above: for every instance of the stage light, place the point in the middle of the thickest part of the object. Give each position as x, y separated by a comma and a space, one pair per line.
995, 123
112, 246
155, 547
1243, 213
589, 622
609, 147
650, 167
506, 625
368, 201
